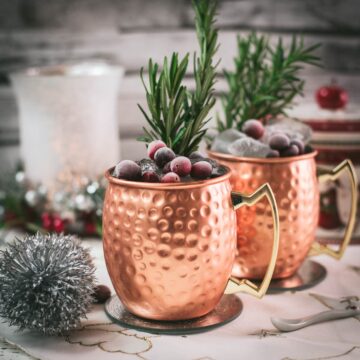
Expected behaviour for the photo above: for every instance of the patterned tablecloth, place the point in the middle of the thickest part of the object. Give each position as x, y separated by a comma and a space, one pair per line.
250, 336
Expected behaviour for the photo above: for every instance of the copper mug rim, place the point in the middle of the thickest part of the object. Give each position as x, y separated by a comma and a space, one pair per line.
167, 186
265, 161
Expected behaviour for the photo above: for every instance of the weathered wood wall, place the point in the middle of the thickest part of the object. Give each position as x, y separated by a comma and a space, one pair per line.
129, 32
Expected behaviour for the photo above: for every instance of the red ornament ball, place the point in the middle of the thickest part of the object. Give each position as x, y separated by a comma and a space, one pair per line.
47, 221
58, 224
332, 97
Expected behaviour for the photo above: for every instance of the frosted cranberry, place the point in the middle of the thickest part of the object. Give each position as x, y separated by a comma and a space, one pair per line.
254, 129
273, 154
170, 177
128, 170
163, 156
181, 166
153, 147
201, 170
218, 171
166, 168
279, 142
101, 294
292, 150
300, 145
150, 176
196, 155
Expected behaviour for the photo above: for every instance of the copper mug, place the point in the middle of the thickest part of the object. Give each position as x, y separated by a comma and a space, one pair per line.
295, 183
170, 248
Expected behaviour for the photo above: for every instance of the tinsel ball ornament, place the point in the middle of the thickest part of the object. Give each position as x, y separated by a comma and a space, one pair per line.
46, 283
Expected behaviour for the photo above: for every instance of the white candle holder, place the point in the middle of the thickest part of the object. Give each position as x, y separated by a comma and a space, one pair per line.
68, 120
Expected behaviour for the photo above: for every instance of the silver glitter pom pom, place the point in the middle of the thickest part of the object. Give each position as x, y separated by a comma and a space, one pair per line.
46, 283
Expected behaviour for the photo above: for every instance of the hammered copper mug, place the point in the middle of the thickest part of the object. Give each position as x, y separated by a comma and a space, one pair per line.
170, 248
294, 181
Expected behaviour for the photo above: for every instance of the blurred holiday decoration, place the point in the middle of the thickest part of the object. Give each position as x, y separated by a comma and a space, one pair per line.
76, 208
336, 136
46, 283
67, 113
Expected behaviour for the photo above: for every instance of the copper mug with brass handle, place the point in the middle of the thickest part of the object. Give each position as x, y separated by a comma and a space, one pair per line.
170, 248
295, 184
334, 174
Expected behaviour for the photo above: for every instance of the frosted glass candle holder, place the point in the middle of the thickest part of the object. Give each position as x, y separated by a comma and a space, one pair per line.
68, 120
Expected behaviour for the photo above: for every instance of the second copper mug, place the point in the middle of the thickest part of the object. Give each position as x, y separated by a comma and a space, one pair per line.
170, 248
294, 181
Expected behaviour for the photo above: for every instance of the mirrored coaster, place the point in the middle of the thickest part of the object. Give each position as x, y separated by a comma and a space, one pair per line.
228, 309
309, 274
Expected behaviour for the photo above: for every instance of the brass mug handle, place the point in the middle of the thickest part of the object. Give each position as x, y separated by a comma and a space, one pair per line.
332, 175
235, 285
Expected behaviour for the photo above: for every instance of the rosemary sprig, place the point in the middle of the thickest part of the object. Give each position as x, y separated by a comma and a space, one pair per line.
177, 116
265, 80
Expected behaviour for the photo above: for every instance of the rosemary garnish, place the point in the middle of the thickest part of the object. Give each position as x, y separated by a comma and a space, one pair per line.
265, 80
176, 115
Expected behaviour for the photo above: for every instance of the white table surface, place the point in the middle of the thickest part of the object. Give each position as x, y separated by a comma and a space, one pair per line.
250, 336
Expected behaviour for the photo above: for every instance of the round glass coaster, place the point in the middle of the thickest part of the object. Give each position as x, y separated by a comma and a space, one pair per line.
228, 309
309, 274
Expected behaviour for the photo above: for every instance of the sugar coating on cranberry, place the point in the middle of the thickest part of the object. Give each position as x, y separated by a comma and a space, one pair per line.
279, 142
299, 144
166, 168
170, 177
253, 128
150, 176
273, 154
181, 166
201, 170
292, 150
128, 170
153, 147
196, 155
163, 156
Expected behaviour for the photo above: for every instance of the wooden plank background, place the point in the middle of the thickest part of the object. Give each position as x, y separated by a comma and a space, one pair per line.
129, 32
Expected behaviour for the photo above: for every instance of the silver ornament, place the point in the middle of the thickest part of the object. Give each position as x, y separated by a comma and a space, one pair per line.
20, 177
46, 283
83, 202
32, 198
92, 188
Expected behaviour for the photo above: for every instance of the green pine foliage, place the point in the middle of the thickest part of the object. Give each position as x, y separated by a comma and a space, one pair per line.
176, 115
265, 80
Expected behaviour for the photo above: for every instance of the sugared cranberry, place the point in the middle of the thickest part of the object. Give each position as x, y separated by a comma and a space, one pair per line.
153, 147
166, 168
101, 293
128, 170
150, 176
253, 128
292, 150
170, 177
196, 155
163, 156
201, 170
300, 145
273, 154
279, 142
181, 166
